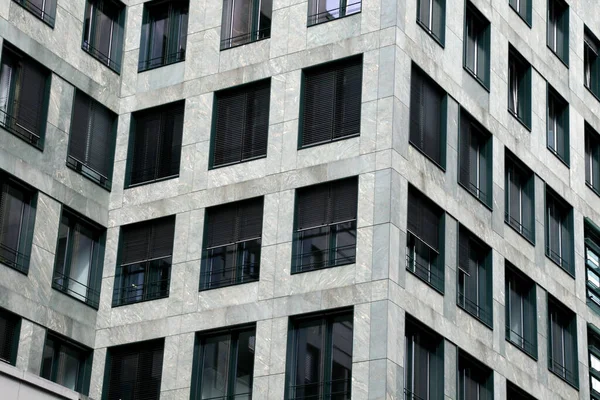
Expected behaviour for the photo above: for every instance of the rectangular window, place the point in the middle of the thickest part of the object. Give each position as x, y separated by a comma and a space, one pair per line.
79, 258
24, 96
232, 244
245, 21
325, 234
423, 362
103, 31
559, 231
320, 366
164, 33
331, 101
520, 307
320, 11
594, 361
519, 197
92, 140
519, 87
562, 342
427, 116
558, 125
145, 255
513, 392
592, 158
134, 371
474, 276
17, 217
43, 9
592, 264
475, 380
558, 29
431, 15
10, 327
477, 45
523, 8
475, 159
425, 239
155, 144
591, 72
241, 124
224, 364
67, 363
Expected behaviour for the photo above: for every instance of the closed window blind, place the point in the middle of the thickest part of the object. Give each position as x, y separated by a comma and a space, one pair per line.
235, 222
559, 239
475, 158
241, 124
424, 219
147, 240
332, 101
9, 336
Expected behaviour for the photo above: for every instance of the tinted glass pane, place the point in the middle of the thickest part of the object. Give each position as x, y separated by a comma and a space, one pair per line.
81, 262
244, 365
215, 364
309, 349
341, 366
314, 248
68, 367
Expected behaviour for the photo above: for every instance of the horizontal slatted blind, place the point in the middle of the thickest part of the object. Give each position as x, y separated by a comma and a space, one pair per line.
464, 251
79, 134
330, 202
464, 171
423, 218
234, 222
32, 95
9, 333
147, 240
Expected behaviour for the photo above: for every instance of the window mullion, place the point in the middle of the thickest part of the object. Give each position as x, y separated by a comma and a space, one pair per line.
232, 368
327, 357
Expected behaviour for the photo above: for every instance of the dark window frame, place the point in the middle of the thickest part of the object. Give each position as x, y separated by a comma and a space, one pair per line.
569, 374
346, 9
440, 36
592, 264
594, 359
557, 123
524, 290
554, 202
591, 62
10, 324
477, 27
467, 364
46, 14
513, 392
519, 77
525, 14
256, 32
89, 38
592, 158
516, 170
557, 21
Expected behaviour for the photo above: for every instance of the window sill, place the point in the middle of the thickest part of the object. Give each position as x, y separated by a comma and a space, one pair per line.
295, 269
440, 166
13, 132
308, 24
431, 34
596, 96
476, 317
477, 79
528, 354
571, 274
477, 198
531, 241
565, 63
516, 116
572, 384
308, 146
24, 271
524, 19
204, 289
440, 291
89, 50
223, 48
66, 293
140, 69
558, 156
593, 189
212, 167
78, 168
116, 305
136, 185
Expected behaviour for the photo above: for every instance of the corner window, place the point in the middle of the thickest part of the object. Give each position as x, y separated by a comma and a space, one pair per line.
477, 45
594, 360
145, 256
320, 11
558, 29
519, 197
562, 342
134, 371
17, 217
475, 159
474, 277
224, 364
79, 258
331, 101
67, 363
522, 8
558, 125
592, 264
24, 96
427, 117
475, 380
232, 244
92, 140
325, 234
10, 327
431, 16
164, 33
425, 240
519, 87
241, 126
103, 31
591, 64
320, 366
521, 313
559, 231
43, 9
513, 392
245, 21
155, 144
592, 158
423, 362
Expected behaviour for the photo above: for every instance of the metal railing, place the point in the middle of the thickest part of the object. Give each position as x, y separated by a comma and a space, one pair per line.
518, 226
408, 395
38, 12
14, 258
518, 340
562, 371
474, 309
143, 292
559, 259
100, 56
165, 59
239, 396
16, 125
425, 272
475, 190
242, 273
153, 174
326, 390
75, 289
83, 168
331, 256
334, 13
245, 38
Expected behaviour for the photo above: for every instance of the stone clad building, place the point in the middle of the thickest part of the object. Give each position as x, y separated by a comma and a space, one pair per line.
284, 199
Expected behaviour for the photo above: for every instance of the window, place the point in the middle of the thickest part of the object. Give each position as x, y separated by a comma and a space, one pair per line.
79, 258
92, 140
558, 125
475, 159
559, 231
562, 342
17, 216
232, 244
320, 11
67, 363
592, 158
156, 144
519, 197
241, 125
425, 240
321, 364
164, 33
592, 264
224, 364
423, 362
331, 101
427, 117
519, 87
134, 371
591, 71
522, 8
475, 380
24, 96
431, 15
594, 354
325, 234
513, 392
245, 21
558, 29
474, 277
43, 9
144, 267
520, 307
103, 31
10, 327
477, 45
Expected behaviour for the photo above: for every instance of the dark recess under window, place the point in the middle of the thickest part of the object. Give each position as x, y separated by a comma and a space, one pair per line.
10, 327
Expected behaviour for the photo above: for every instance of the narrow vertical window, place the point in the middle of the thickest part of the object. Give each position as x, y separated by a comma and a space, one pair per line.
559, 231
562, 338
245, 21
477, 45
43, 9
522, 8
592, 264
558, 29
592, 158
475, 380
431, 16
558, 125
519, 197
67, 363
519, 87
593, 335
591, 64
103, 31
320, 11
475, 159
520, 306
10, 326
